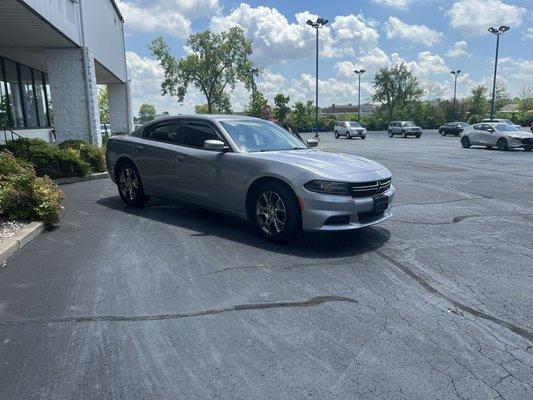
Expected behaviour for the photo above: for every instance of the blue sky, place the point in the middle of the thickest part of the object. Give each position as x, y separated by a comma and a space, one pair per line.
431, 36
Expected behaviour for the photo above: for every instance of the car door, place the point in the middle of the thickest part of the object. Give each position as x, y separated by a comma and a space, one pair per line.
197, 170
153, 154
476, 134
488, 138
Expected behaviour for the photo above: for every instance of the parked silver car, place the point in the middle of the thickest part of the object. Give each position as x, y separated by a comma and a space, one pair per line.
502, 136
404, 128
501, 121
250, 168
349, 129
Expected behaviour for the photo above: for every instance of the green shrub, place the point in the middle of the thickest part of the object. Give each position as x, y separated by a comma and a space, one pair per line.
48, 159
92, 155
24, 196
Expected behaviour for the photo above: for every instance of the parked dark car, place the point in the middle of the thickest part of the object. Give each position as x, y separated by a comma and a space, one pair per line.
453, 128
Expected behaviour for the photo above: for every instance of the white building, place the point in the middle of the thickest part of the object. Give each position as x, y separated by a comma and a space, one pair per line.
53, 54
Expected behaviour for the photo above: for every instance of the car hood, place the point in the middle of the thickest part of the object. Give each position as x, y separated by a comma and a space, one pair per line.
520, 134
322, 162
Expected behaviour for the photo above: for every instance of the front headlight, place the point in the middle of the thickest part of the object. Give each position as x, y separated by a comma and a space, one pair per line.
328, 187
514, 137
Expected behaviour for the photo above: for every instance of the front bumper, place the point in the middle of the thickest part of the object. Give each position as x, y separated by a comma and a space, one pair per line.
318, 210
518, 143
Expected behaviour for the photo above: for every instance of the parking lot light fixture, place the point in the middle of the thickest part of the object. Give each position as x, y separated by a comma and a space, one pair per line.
319, 23
455, 73
359, 72
498, 32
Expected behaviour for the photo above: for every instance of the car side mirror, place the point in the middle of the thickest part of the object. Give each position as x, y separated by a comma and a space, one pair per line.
214, 145
312, 142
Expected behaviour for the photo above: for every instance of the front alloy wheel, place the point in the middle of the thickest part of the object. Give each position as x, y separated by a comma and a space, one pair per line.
276, 213
502, 144
465, 142
391, 134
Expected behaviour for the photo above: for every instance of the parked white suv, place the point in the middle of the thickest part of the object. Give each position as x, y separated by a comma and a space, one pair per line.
404, 128
349, 129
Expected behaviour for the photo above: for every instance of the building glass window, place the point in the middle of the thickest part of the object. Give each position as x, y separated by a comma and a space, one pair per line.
41, 98
24, 96
28, 96
4, 100
13, 91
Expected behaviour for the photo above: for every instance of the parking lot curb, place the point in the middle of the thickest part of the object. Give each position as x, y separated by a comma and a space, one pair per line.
13, 244
76, 179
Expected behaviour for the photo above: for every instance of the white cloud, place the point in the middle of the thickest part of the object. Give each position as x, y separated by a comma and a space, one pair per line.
277, 39
474, 17
459, 49
424, 65
394, 27
172, 17
402, 4
528, 33
518, 69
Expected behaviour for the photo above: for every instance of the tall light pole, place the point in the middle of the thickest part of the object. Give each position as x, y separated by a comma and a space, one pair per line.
253, 72
319, 23
359, 73
455, 74
498, 32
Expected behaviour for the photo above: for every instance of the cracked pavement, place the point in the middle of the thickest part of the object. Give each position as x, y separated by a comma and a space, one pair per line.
175, 302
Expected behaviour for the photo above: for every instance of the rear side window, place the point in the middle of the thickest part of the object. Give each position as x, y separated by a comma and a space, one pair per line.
163, 132
196, 133
477, 127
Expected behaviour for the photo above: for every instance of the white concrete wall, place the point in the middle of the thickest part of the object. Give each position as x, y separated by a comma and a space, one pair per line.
76, 113
120, 114
40, 133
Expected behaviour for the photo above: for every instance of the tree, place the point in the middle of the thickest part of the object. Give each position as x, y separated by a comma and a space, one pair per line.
299, 116
103, 104
478, 103
147, 113
526, 97
281, 110
256, 104
397, 88
215, 63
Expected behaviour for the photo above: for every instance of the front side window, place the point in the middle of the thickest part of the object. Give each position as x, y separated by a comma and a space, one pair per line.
163, 133
408, 123
255, 136
354, 124
477, 127
196, 133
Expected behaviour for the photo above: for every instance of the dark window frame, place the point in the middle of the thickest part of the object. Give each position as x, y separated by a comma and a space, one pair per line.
20, 89
156, 125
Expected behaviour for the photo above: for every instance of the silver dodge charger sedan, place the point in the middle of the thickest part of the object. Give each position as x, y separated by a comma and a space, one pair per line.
250, 168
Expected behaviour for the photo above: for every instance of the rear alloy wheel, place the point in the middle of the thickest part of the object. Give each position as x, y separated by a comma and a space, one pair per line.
336, 135
276, 213
443, 132
502, 144
391, 134
130, 186
465, 142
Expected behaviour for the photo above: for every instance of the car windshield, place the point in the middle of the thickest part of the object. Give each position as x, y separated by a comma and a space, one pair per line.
354, 124
408, 123
505, 127
507, 121
258, 135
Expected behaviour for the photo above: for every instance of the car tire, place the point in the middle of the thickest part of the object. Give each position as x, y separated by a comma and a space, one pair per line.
418, 135
404, 134
130, 187
502, 144
465, 142
348, 136
271, 202
363, 137
442, 132
528, 148
391, 134
336, 135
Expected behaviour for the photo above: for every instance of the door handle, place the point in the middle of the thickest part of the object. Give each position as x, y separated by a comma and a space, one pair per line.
139, 148
178, 157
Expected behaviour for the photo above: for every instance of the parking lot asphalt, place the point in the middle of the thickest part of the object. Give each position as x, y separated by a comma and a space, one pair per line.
173, 302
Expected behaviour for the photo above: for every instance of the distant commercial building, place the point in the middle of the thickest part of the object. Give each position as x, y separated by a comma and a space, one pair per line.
338, 109
53, 54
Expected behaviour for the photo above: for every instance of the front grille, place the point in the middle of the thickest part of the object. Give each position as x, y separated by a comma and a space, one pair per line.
528, 141
366, 189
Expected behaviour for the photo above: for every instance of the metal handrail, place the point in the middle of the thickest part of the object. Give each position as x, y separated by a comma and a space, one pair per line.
13, 134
